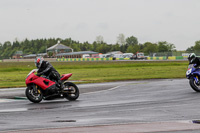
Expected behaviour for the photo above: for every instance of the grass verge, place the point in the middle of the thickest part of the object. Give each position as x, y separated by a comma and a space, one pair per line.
13, 74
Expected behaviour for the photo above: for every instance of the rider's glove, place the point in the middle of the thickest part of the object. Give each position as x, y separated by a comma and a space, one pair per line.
195, 65
39, 74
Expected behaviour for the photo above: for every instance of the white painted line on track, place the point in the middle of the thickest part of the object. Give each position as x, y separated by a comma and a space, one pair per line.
11, 89
102, 90
7, 100
13, 110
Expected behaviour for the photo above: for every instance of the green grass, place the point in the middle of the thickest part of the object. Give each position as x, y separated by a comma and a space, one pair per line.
13, 74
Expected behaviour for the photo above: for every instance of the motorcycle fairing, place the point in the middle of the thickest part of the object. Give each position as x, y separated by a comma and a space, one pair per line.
40, 81
66, 76
50, 90
195, 74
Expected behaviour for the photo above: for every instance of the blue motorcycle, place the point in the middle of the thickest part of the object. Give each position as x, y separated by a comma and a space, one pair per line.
193, 74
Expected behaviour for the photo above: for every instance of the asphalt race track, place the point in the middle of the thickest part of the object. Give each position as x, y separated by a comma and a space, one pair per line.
165, 105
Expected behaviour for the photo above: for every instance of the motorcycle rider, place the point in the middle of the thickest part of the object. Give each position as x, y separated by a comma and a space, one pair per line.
193, 59
45, 68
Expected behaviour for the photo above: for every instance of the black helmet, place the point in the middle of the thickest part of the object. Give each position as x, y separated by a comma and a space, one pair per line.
191, 57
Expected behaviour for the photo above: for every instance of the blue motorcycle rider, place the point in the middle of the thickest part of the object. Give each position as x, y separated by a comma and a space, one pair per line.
193, 72
193, 59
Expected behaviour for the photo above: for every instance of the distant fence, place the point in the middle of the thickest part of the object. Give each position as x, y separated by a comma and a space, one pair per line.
27, 60
167, 58
157, 58
109, 59
84, 59
95, 59
159, 54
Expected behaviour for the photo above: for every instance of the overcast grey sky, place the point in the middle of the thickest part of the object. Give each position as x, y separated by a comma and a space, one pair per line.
174, 21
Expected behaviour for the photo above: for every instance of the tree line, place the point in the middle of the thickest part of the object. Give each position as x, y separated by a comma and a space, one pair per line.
125, 45
195, 48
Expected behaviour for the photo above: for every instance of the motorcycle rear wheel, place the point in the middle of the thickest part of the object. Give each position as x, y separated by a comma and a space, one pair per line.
71, 95
194, 86
34, 97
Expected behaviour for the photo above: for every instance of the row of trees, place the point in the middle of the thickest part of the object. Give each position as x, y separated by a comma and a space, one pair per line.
129, 45
195, 48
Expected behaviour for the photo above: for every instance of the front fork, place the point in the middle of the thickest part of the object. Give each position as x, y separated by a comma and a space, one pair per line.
197, 80
36, 89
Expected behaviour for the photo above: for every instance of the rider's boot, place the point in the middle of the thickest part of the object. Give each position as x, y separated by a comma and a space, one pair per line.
62, 87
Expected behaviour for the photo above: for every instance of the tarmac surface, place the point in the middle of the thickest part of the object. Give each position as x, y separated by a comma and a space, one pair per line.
168, 105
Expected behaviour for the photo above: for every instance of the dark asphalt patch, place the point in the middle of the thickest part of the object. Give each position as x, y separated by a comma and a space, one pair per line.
65, 121
20, 98
42, 108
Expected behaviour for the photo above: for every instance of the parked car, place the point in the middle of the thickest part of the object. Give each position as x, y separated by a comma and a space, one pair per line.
117, 56
127, 55
138, 56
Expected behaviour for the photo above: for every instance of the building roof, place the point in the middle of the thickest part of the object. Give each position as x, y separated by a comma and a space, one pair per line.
34, 55
30, 55
58, 46
77, 53
115, 52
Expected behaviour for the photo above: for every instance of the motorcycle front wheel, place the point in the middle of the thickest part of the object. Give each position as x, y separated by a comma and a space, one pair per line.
194, 85
33, 94
73, 94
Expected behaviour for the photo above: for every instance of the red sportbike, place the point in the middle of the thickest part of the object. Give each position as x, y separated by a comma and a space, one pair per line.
39, 88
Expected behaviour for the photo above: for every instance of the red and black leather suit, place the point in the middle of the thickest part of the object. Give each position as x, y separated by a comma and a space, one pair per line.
48, 70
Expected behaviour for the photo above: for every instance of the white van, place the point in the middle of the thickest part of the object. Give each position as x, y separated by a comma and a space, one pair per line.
86, 56
117, 56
